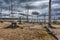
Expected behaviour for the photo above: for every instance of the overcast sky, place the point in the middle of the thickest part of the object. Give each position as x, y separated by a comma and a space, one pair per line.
40, 6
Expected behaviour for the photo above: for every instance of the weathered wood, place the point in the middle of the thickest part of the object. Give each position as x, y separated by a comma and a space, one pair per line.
51, 32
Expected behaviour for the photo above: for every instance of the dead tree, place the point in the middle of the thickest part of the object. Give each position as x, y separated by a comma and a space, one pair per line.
49, 16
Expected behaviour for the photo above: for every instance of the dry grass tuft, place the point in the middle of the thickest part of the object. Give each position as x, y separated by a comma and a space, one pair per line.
24, 34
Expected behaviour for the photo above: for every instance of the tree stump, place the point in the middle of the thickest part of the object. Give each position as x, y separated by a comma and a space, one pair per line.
14, 24
1, 21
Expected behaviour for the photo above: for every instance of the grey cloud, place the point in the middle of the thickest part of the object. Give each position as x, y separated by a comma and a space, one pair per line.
22, 4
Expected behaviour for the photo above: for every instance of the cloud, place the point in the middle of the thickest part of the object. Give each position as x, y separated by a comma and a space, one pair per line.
56, 5
40, 6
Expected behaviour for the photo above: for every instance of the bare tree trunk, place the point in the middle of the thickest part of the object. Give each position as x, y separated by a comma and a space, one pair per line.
49, 18
20, 20
14, 24
1, 15
37, 18
27, 15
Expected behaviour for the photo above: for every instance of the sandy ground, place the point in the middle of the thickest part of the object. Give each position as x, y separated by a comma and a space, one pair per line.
29, 32
56, 25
